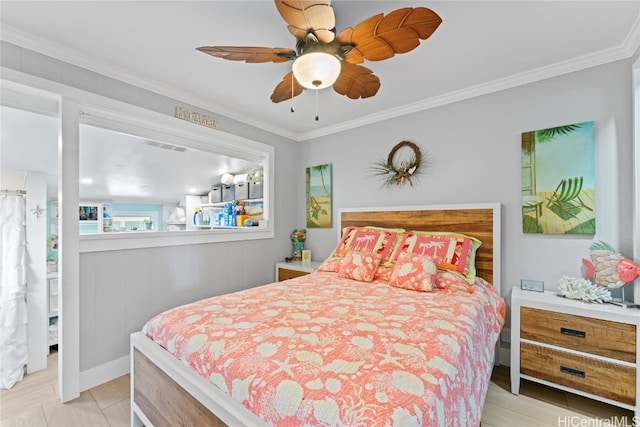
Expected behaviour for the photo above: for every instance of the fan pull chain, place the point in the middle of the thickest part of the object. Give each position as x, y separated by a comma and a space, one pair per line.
317, 117
292, 109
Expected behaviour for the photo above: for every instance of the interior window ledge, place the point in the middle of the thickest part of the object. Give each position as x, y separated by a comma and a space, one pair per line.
154, 239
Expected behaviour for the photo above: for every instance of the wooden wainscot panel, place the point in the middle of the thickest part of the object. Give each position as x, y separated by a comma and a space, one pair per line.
609, 380
164, 402
595, 336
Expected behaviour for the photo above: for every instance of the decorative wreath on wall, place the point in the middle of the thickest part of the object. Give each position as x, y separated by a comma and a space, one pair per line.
397, 173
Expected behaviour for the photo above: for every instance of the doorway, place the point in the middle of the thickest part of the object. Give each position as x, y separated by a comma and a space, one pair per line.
25, 133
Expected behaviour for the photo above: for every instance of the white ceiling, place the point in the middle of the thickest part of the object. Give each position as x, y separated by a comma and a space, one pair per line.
480, 47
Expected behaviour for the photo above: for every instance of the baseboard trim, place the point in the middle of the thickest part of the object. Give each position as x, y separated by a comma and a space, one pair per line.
104, 373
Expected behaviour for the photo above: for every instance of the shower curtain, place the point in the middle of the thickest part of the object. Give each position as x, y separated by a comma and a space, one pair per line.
13, 290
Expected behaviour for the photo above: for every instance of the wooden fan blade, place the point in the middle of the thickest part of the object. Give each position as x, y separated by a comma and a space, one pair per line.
304, 16
250, 54
381, 37
283, 91
356, 81
354, 56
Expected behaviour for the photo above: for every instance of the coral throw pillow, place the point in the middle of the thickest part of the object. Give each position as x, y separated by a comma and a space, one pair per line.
450, 251
449, 281
413, 271
384, 273
359, 266
363, 239
374, 240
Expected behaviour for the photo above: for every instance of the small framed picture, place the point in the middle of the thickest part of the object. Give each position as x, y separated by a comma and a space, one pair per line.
532, 285
306, 256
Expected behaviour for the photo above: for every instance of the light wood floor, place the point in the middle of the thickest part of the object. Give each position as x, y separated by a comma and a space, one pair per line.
542, 406
34, 402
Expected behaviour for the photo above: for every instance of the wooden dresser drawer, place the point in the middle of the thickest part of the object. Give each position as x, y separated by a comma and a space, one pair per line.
585, 334
286, 274
609, 380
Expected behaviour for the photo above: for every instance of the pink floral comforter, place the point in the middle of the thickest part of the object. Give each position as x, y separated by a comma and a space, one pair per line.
322, 350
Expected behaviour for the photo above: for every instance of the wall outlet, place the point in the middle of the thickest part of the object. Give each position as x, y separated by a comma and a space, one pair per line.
505, 335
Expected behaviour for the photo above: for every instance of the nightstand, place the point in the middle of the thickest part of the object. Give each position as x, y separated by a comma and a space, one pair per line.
289, 270
587, 349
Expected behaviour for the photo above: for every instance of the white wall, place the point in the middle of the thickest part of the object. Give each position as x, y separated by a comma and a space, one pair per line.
12, 180
473, 150
473, 155
120, 290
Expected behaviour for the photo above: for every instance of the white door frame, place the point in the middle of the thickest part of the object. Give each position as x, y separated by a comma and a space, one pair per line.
37, 296
68, 254
635, 70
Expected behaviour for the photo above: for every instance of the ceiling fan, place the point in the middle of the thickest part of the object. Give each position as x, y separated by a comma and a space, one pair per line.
322, 58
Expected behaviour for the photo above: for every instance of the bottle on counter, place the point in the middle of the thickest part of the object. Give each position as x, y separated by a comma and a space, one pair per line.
197, 217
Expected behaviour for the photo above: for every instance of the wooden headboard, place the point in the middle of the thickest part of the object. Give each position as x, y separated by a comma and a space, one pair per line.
481, 221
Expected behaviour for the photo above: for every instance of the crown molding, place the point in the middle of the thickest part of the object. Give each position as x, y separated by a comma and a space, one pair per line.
29, 41
632, 41
625, 50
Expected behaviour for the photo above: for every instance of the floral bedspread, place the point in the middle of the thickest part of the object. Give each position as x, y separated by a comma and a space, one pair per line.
322, 350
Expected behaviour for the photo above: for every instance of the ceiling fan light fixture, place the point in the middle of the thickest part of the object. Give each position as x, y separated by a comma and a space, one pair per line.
316, 70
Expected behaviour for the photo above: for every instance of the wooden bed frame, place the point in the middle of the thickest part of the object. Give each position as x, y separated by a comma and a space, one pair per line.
166, 392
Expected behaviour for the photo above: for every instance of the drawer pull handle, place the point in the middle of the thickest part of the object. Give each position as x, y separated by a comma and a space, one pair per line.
573, 332
571, 371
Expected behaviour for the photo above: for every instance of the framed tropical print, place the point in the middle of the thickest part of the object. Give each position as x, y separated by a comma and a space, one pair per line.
319, 197
558, 184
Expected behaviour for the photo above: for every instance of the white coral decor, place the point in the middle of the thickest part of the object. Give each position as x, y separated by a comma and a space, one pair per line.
582, 289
